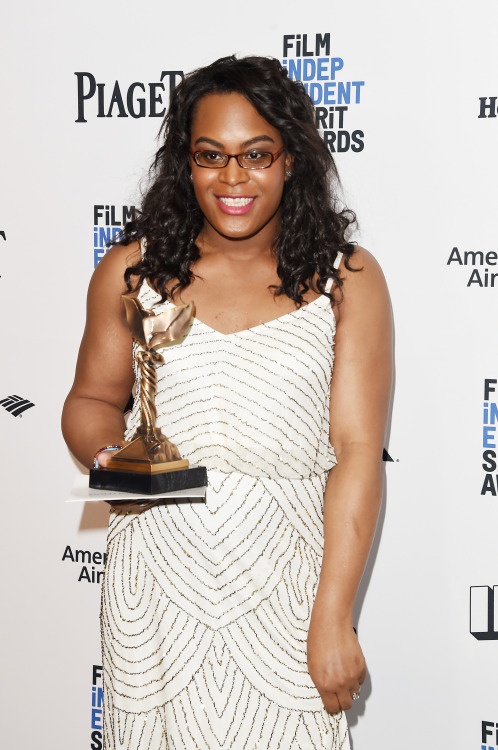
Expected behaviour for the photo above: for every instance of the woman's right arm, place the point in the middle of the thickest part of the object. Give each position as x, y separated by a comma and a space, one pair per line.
93, 411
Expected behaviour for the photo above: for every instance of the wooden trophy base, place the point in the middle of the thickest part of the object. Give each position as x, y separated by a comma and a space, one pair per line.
131, 470
149, 484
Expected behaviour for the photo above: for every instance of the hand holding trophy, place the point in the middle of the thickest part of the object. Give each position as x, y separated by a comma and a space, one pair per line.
150, 463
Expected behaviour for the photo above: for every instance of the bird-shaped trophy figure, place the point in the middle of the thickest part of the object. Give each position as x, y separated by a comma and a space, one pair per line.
150, 463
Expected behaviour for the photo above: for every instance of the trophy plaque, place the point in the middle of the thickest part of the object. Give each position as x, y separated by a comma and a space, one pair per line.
150, 464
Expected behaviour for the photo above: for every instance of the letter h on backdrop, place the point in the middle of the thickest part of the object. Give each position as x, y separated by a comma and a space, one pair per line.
487, 106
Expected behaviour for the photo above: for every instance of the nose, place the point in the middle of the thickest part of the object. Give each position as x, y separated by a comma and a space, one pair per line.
233, 173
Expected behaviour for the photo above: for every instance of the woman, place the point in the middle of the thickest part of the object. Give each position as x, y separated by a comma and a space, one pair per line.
230, 625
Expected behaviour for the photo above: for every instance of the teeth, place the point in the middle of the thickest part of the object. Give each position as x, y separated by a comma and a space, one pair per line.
236, 201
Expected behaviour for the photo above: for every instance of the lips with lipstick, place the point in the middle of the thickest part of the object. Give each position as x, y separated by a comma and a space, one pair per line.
235, 204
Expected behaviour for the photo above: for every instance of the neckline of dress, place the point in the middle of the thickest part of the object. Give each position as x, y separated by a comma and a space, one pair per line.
259, 325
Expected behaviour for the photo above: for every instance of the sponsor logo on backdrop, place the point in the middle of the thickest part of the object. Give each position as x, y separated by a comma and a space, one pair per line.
16, 405
489, 735
484, 612
478, 260
489, 437
116, 99
108, 221
487, 106
309, 58
90, 564
97, 701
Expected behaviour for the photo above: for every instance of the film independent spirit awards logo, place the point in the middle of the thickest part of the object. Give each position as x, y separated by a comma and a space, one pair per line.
489, 438
489, 735
96, 734
309, 58
108, 222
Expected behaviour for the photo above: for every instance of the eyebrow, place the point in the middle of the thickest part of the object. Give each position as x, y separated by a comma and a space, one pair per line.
250, 142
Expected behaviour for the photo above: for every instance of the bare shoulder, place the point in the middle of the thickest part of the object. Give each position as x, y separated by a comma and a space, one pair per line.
364, 286
365, 269
111, 269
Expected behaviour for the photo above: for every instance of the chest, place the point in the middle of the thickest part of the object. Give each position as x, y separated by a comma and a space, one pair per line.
231, 305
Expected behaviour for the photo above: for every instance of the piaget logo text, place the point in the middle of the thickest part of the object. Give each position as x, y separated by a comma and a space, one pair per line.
135, 99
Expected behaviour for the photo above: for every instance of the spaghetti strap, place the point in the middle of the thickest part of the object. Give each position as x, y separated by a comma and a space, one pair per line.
337, 263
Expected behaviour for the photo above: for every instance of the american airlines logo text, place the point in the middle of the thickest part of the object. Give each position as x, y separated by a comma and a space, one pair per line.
480, 276
89, 572
484, 612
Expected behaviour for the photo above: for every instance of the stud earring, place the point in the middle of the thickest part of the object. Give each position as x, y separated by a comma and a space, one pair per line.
288, 174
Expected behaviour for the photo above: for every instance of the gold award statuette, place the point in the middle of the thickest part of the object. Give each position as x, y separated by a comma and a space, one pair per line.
150, 463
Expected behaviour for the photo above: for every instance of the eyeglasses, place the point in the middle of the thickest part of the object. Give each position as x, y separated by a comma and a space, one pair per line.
248, 160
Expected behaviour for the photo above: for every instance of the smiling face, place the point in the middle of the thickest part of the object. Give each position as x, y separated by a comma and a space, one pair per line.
237, 203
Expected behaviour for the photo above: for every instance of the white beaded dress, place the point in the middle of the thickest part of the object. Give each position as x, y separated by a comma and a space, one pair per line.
205, 608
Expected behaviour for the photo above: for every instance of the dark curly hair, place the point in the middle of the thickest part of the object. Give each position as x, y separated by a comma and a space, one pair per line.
312, 227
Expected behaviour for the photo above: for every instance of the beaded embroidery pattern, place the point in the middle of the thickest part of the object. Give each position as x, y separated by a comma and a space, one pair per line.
205, 608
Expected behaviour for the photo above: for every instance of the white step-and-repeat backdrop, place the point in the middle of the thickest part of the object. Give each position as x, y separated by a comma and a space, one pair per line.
407, 97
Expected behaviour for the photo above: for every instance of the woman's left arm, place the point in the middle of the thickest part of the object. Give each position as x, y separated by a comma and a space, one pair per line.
360, 397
